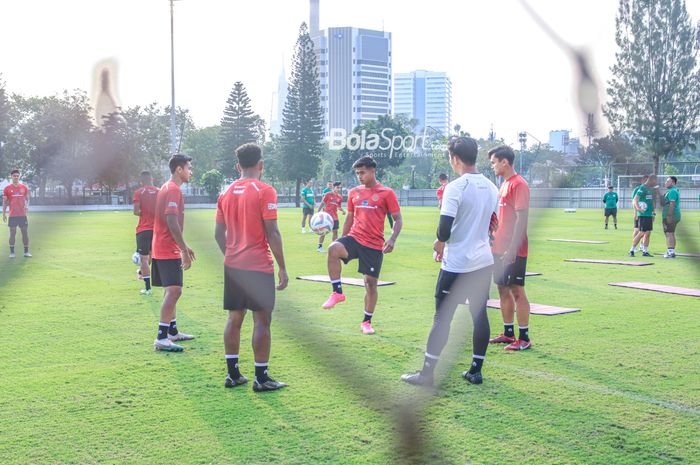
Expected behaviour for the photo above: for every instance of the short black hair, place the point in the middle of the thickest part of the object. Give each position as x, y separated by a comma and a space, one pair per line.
442, 177
645, 176
503, 152
610, 187
366, 162
465, 148
674, 179
248, 155
178, 160
145, 173
337, 184
14, 171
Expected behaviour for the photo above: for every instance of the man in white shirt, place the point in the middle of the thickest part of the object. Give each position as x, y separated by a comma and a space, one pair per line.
467, 217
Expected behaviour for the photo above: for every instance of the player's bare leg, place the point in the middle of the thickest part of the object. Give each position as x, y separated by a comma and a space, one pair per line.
25, 239
336, 252
145, 270
232, 345
261, 348
522, 310
167, 318
371, 296
13, 235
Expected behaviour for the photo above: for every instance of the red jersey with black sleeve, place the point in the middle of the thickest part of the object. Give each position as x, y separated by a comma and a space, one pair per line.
440, 191
169, 201
17, 198
369, 208
332, 203
243, 208
146, 197
513, 196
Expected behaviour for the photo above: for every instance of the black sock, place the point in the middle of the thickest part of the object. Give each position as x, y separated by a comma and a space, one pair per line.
524, 336
261, 372
368, 316
26, 249
337, 286
232, 365
429, 364
163, 330
477, 362
147, 282
172, 329
509, 330
12, 249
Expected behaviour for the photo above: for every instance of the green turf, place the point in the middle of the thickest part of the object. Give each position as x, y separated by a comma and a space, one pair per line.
617, 383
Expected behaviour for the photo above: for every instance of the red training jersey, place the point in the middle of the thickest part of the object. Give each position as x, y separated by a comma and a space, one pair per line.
332, 203
17, 198
440, 191
243, 208
146, 197
369, 208
169, 201
513, 196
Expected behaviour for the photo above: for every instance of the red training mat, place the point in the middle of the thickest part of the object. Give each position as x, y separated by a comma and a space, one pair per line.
660, 288
607, 262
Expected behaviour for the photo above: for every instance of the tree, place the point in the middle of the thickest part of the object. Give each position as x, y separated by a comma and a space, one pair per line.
5, 123
212, 181
239, 125
204, 146
655, 89
302, 117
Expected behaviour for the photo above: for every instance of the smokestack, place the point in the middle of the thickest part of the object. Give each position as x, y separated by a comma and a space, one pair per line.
313, 17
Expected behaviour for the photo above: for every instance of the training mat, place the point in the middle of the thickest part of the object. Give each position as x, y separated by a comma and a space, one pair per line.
578, 242
532, 273
607, 262
660, 288
688, 254
538, 309
322, 278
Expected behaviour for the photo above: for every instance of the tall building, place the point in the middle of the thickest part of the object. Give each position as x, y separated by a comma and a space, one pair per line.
425, 96
354, 71
560, 141
278, 101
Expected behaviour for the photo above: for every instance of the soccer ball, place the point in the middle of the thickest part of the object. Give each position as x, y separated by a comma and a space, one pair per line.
643, 206
136, 258
321, 223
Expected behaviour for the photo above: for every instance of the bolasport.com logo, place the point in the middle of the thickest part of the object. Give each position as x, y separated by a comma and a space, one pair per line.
386, 144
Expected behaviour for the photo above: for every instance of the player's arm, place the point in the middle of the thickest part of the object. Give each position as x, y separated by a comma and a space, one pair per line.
5, 202
671, 208
137, 208
348, 223
220, 236
635, 203
444, 230
398, 224
320, 207
519, 233
176, 232
274, 238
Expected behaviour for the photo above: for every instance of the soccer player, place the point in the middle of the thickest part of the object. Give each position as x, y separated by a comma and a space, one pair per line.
440, 190
307, 203
145, 209
463, 246
671, 213
643, 203
246, 230
328, 188
171, 255
16, 197
510, 250
363, 236
635, 230
610, 200
331, 203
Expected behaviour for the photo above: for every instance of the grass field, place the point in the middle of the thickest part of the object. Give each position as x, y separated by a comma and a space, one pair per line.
617, 383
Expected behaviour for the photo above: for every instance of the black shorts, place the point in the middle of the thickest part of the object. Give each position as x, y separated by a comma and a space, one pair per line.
610, 211
308, 211
15, 221
508, 275
143, 242
336, 225
670, 227
370, 259
246, 289
167, 272
646, 223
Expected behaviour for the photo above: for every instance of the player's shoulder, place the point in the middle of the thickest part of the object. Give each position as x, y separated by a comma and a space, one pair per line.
263, 187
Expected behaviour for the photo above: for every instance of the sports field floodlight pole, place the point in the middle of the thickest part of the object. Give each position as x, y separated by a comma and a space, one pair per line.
173, 128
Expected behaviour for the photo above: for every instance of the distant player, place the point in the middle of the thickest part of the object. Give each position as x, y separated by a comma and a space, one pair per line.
510, 250
307, 203
440, 190
246, 230
363, 236
643, 203
16, 197
610, 200
635, 230
171, 255
671, 213
145, 209
331, 203
463, 246
328, 188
